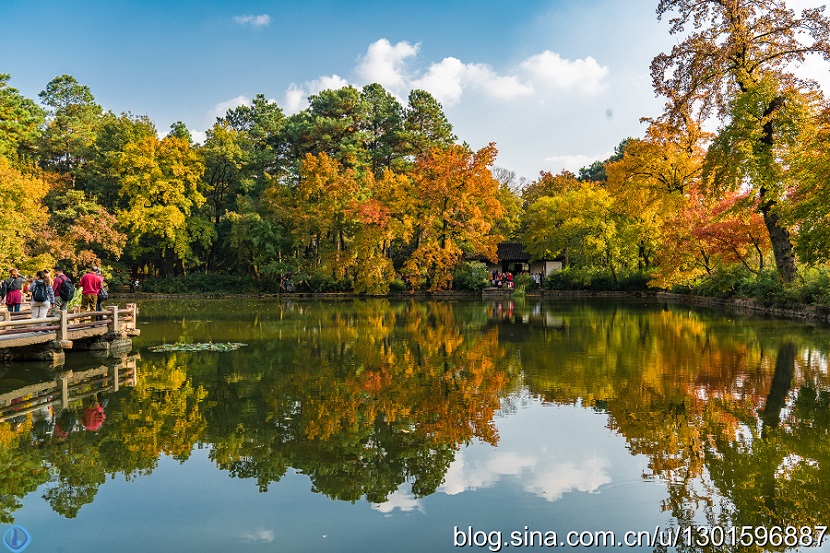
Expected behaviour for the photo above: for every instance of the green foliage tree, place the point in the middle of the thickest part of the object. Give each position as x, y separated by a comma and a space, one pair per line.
20, 121
71, 125
382, 124
580, 224
425, 124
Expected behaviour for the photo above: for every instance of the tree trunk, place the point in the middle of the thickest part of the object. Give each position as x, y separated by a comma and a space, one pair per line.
782, 247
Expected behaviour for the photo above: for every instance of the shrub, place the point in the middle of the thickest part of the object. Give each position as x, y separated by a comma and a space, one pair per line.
722, 283
318, 283
811, 288
211, 283
470, 275
398, 285
596, 279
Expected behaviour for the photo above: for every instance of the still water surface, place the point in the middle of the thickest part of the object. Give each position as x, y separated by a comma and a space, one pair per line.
419, 426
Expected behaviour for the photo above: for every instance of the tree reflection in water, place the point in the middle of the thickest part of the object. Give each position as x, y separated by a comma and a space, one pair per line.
364, 396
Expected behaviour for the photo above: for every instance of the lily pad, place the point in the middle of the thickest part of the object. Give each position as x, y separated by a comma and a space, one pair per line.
202, 346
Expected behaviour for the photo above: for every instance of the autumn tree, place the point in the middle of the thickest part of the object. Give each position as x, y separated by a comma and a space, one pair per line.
510, 187
704, 234
382, 219
650, 180
80, 231
21, 213
809, 205
160, 186
319, 212
455, 205
597, 170
580, 224
736, 64
549, 184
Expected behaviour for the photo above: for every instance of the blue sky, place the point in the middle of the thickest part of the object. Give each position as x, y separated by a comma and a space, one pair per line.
555, 83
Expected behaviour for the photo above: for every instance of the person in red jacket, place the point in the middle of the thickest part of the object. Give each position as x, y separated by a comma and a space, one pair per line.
90, 285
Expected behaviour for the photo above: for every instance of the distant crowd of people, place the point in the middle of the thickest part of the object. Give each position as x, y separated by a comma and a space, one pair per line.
505, 280
47, 293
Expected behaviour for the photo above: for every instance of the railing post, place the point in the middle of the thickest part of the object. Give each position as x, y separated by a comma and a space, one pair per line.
63, 331
64, 391
133, 308
114, 314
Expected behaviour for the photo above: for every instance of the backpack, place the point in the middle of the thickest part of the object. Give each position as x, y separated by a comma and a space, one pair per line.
39, 292
67, 289
103, 295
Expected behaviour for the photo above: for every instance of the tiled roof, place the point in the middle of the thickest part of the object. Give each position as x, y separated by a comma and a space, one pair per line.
512, 251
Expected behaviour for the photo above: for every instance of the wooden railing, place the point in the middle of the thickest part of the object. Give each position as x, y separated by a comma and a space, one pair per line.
66, 387
67, 325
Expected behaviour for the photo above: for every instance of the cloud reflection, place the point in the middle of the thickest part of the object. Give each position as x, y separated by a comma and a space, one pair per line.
540, 451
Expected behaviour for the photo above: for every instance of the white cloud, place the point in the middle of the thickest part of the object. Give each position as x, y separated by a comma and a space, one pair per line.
546, 472
199, 137
296, 97
258, 536
554, 480
444, 80
448, 80
385, 64
549, 70
504, 106
262, 20
220, 109
402, 499
540, 474
572, 163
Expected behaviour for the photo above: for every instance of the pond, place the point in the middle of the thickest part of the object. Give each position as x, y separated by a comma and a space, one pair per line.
381, 425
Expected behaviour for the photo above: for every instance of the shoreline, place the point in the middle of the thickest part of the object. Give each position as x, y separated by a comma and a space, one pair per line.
741, 305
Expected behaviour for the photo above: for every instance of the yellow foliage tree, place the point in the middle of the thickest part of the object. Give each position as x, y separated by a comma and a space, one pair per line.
21, 213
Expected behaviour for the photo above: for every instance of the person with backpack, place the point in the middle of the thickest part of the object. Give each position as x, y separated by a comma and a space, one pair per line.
42, 295
63, 289
11, 290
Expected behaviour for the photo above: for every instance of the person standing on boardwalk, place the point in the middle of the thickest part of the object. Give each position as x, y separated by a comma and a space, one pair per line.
102, 291
60, 290
42, 295
12, 290
90, 285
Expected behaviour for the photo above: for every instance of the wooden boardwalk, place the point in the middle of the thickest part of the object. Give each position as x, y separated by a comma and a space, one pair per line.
67, 387
20, 335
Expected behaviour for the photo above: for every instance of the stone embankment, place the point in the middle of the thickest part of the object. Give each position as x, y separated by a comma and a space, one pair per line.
736, 304
744, 305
